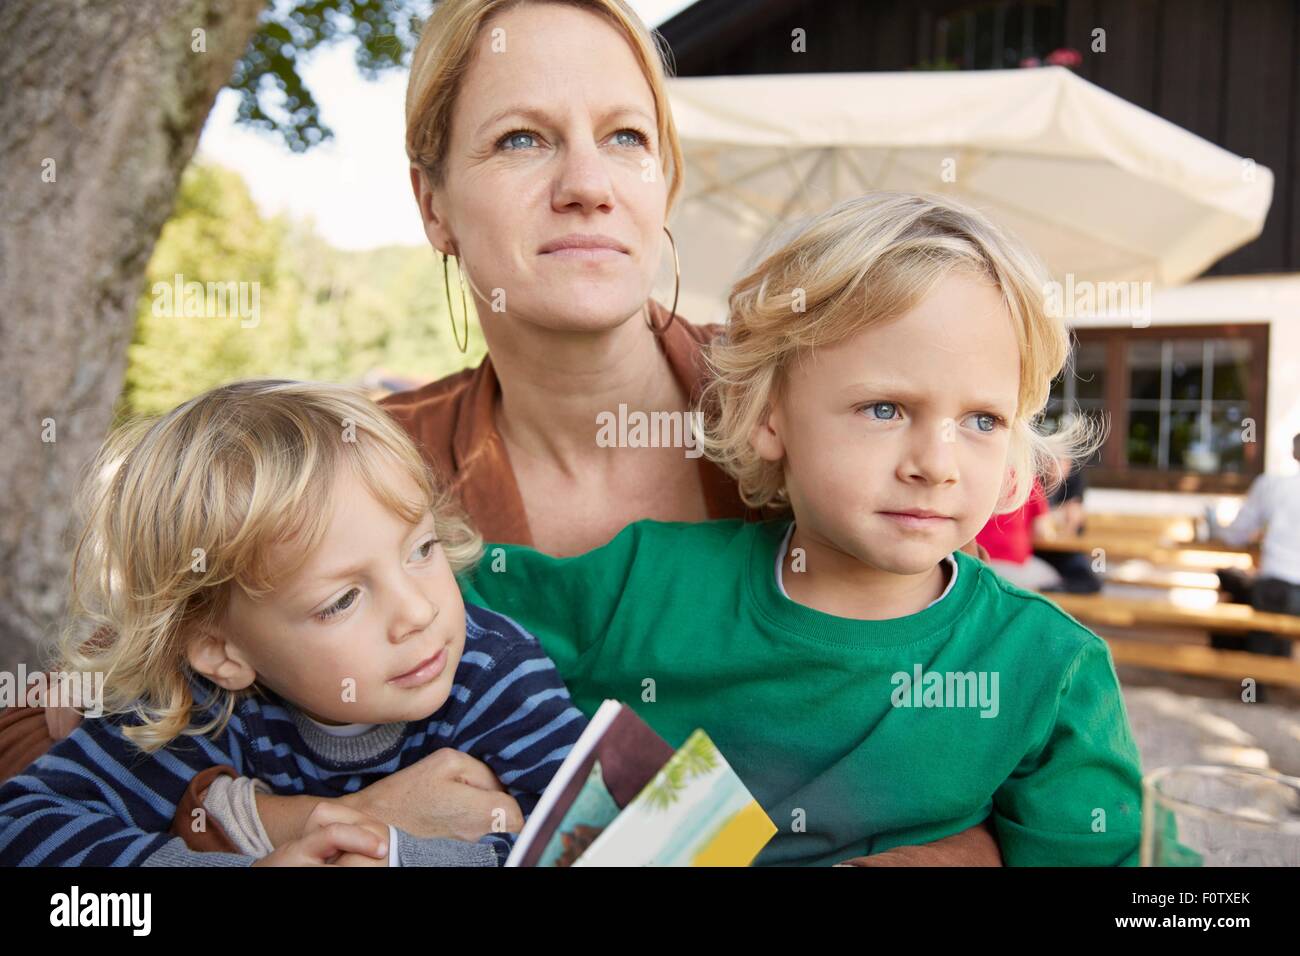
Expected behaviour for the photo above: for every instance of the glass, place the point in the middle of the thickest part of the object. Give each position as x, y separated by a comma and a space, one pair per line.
1231, 368
1187, 449
1090, 371
1186, 369
1226, 435
1144, 438
1144, 366
1220, 816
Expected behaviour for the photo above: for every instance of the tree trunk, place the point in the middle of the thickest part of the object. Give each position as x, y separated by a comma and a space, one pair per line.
107, 98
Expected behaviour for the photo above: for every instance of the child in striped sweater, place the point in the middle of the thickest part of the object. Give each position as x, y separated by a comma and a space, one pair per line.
266, 580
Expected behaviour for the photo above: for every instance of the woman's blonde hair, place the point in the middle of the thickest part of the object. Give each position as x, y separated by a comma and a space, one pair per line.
864, 261
446, 49
179, 509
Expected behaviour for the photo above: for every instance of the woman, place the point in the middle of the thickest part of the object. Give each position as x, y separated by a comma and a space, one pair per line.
544, 159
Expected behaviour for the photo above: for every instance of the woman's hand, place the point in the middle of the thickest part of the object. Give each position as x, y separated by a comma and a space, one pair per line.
446, 794
332, 844
61, 721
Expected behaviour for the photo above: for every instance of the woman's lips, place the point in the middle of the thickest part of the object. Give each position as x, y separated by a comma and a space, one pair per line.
590, 253
427, 671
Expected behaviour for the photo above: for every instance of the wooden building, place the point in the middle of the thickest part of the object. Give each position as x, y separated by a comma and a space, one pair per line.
1223, 352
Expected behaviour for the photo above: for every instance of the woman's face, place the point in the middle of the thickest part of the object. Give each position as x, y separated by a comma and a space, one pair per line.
553, 137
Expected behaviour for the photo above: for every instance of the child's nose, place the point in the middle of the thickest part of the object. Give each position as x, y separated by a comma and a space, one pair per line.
415, 616
930, 457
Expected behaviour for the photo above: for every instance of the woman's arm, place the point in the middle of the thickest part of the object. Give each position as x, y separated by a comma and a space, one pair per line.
974, 847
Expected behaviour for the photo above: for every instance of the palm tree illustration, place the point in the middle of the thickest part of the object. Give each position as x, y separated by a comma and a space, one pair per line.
697, 758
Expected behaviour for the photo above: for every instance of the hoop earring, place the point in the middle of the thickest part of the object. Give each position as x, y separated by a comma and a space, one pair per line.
464, 309
677, 287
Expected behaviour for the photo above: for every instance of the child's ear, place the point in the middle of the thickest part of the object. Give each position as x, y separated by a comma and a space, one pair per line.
765, 438
211, 655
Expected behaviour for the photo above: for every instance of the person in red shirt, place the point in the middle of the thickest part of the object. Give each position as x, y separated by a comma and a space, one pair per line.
1009, 540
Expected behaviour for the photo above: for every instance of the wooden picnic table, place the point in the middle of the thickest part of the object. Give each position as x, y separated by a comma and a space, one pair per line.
1127, 612
1198, 555
1140, 574
1103, 611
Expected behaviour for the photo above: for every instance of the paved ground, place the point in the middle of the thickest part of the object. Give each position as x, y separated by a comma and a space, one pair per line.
1193, 720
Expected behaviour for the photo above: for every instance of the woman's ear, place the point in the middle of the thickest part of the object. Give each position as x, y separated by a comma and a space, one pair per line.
211, 655
765, 437
435, 223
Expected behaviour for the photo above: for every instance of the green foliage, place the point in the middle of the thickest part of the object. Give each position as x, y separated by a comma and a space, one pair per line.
324, 313
272, 96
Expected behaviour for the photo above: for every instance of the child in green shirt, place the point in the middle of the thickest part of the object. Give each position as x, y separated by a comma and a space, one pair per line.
876, 389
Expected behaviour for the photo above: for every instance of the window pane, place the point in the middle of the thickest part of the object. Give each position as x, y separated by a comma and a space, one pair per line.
1144, 370
1187, 450
1186, 369
1144, 438
1090, 371
1187, 402
1225, 436
1084, 373
1231, 368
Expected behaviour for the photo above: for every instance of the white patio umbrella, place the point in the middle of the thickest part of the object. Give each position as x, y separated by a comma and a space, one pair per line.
1099, 188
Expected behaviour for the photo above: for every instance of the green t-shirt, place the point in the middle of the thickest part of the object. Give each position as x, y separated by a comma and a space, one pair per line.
836, 725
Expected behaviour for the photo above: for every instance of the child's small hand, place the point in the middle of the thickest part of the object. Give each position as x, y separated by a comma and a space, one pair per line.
330, 845
330, 813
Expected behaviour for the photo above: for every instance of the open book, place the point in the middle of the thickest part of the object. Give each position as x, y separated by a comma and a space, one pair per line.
622, 797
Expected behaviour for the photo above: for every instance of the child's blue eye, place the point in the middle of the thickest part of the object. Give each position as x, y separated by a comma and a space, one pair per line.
341, 605
987, 422
875, 410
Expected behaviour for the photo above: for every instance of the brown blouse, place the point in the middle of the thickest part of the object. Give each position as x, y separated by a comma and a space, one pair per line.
452, 421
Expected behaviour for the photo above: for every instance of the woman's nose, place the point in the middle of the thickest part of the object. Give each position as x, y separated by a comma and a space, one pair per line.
582, 180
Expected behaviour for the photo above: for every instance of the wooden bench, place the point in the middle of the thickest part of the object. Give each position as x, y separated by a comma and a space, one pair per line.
1124, 612
1162, 528
1201, 661
1191, 556
1161, 539
1138, 575
1102, 611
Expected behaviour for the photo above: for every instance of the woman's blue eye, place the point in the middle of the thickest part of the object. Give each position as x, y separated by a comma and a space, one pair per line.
512, 138
341, 605
639, 138
984, 419
875, 407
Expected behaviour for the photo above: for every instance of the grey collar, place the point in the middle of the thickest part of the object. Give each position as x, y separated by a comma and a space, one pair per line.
358, 748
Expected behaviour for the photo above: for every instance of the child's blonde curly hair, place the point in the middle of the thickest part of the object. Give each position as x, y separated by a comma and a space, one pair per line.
180, 509
864, 261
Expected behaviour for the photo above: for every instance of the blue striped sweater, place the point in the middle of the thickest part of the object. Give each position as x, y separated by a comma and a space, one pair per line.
97, 799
